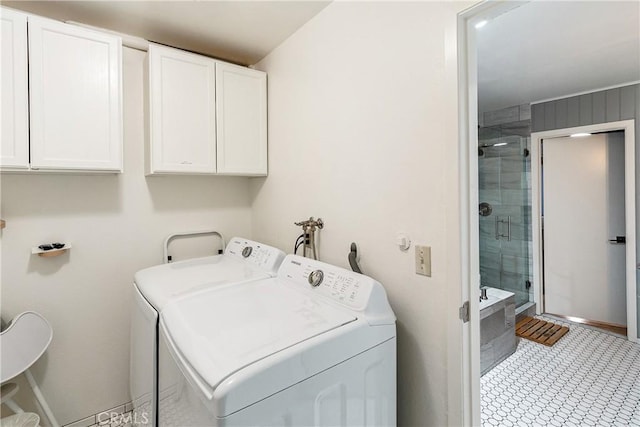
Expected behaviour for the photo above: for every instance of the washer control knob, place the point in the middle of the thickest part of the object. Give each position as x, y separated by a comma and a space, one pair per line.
247, 251
315, 278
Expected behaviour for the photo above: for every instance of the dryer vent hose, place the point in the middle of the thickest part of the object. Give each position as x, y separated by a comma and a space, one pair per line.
353, 258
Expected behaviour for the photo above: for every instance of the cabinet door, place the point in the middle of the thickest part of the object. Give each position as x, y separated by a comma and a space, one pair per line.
241, 111
75, 79
14, 145
182, 98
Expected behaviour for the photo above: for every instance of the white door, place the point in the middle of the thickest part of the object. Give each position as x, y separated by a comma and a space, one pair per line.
14, 142
75, 94
241, 112
583, 208
182, 97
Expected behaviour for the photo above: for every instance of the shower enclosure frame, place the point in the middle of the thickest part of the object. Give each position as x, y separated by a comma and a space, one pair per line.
505, 228
630, 215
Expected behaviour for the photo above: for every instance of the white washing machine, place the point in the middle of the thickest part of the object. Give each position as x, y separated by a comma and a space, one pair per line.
242, 261
314, 346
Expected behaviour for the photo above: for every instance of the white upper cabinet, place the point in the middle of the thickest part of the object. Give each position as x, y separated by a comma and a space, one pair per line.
205, 116
14, 145
241, 112
182, 131
75, 79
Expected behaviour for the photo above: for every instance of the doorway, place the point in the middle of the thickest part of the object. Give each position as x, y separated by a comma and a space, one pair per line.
583, 217
468, 22
583, 229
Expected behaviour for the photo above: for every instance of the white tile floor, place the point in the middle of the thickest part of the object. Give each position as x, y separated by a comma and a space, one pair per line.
588, 378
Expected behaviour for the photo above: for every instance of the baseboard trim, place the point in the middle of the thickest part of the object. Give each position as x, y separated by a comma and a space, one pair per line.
611, 327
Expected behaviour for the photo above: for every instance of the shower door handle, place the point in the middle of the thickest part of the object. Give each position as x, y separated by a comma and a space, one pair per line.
502, 221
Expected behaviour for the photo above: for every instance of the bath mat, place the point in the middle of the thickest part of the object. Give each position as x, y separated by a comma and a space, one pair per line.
540, 331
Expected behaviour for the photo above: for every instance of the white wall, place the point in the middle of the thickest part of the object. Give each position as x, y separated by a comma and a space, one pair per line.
116, 224
363, 133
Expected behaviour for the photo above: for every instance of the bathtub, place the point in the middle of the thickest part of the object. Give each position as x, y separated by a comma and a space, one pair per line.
497, 328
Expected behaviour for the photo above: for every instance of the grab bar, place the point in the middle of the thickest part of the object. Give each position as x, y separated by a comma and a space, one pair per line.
167, 258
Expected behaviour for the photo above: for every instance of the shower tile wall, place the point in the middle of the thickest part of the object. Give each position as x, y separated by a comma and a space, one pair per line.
505, 183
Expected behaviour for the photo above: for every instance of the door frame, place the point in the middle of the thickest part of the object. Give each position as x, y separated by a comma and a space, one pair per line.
468, 178
630, 211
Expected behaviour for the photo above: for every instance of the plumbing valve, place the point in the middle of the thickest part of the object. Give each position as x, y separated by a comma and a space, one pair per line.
309, 228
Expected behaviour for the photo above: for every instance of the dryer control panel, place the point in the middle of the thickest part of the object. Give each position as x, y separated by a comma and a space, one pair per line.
266, 257
343, 288
338, 284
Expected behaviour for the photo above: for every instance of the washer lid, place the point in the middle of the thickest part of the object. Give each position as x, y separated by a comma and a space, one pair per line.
220, 331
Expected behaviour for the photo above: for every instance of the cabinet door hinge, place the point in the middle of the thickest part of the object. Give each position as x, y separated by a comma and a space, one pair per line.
464, 312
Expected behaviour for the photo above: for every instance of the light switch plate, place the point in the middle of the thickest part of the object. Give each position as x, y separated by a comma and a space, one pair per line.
423, 260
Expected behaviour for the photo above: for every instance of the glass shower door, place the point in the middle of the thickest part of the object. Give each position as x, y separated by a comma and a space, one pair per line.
505, 214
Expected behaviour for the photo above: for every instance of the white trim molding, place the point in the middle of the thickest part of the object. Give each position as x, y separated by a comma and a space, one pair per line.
628, 126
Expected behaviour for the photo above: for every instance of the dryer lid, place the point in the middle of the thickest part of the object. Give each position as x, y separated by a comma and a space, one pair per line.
243, 260
221, 331
162, 283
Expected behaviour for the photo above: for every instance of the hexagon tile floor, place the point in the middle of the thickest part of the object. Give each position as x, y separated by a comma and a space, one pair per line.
588, 378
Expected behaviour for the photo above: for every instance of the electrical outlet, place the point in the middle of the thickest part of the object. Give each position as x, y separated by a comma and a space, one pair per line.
423, 260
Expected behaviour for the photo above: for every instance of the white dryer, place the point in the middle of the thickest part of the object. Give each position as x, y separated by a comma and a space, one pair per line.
314, 346
242, 261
